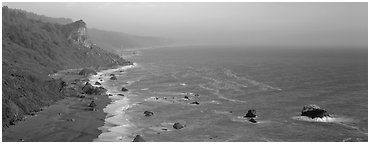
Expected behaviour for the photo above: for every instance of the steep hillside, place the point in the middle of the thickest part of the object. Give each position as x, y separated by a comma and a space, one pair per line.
32, 49
46, 19
117, 40
107, 40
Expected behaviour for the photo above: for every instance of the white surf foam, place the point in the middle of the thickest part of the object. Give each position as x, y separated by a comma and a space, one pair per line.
117, 125
324, 119
229, 73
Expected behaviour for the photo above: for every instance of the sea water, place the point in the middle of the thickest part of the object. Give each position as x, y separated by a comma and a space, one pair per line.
227, 81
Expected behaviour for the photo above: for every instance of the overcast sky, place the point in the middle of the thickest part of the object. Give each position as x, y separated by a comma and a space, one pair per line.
272, 24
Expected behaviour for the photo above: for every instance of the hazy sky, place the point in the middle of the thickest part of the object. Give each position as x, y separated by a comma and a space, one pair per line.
271, 24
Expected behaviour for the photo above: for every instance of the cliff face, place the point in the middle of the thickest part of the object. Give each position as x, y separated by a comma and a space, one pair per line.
32, 49
77, 33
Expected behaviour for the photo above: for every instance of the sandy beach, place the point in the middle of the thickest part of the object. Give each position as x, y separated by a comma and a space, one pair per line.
67, 120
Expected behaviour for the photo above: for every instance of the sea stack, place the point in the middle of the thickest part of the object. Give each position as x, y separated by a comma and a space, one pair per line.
313, 111
251, 114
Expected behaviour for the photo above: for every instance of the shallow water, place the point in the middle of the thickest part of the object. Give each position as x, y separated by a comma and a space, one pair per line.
231, 81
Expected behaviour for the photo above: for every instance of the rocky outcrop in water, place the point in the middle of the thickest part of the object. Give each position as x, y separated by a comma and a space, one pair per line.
138, 138
251, 113
113, 78
178, 126
148, 113
124, 89
195, 103
313, 111
252, 120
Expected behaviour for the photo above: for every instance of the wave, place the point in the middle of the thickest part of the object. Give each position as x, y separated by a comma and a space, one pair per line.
117, 125
246, 120
343, 121
217, 93
230, 73
324, 119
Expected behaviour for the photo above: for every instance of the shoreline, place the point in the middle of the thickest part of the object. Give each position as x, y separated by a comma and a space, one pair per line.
66, 120
118, 100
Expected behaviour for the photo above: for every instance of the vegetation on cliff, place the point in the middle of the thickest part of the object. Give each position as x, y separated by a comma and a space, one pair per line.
33, 49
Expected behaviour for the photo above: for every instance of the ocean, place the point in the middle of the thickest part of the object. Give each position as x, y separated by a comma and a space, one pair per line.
227, 81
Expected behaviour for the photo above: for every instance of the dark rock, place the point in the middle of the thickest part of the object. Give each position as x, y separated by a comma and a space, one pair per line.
313, 111
124, 89
186, 97
178, 126
138, 138
97, 83
81, 96
196, 103
89, 89
121, 94
148, 113
92, 104
196, 95
12, 122
252, 120
251, 113
86, 71
113, 78
112, 75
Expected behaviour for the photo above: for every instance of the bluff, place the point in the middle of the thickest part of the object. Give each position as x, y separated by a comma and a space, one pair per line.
77, 33
31, 50
43, 18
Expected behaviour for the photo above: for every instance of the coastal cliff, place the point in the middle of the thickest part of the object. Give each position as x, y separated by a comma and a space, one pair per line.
77, 33
33, 49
